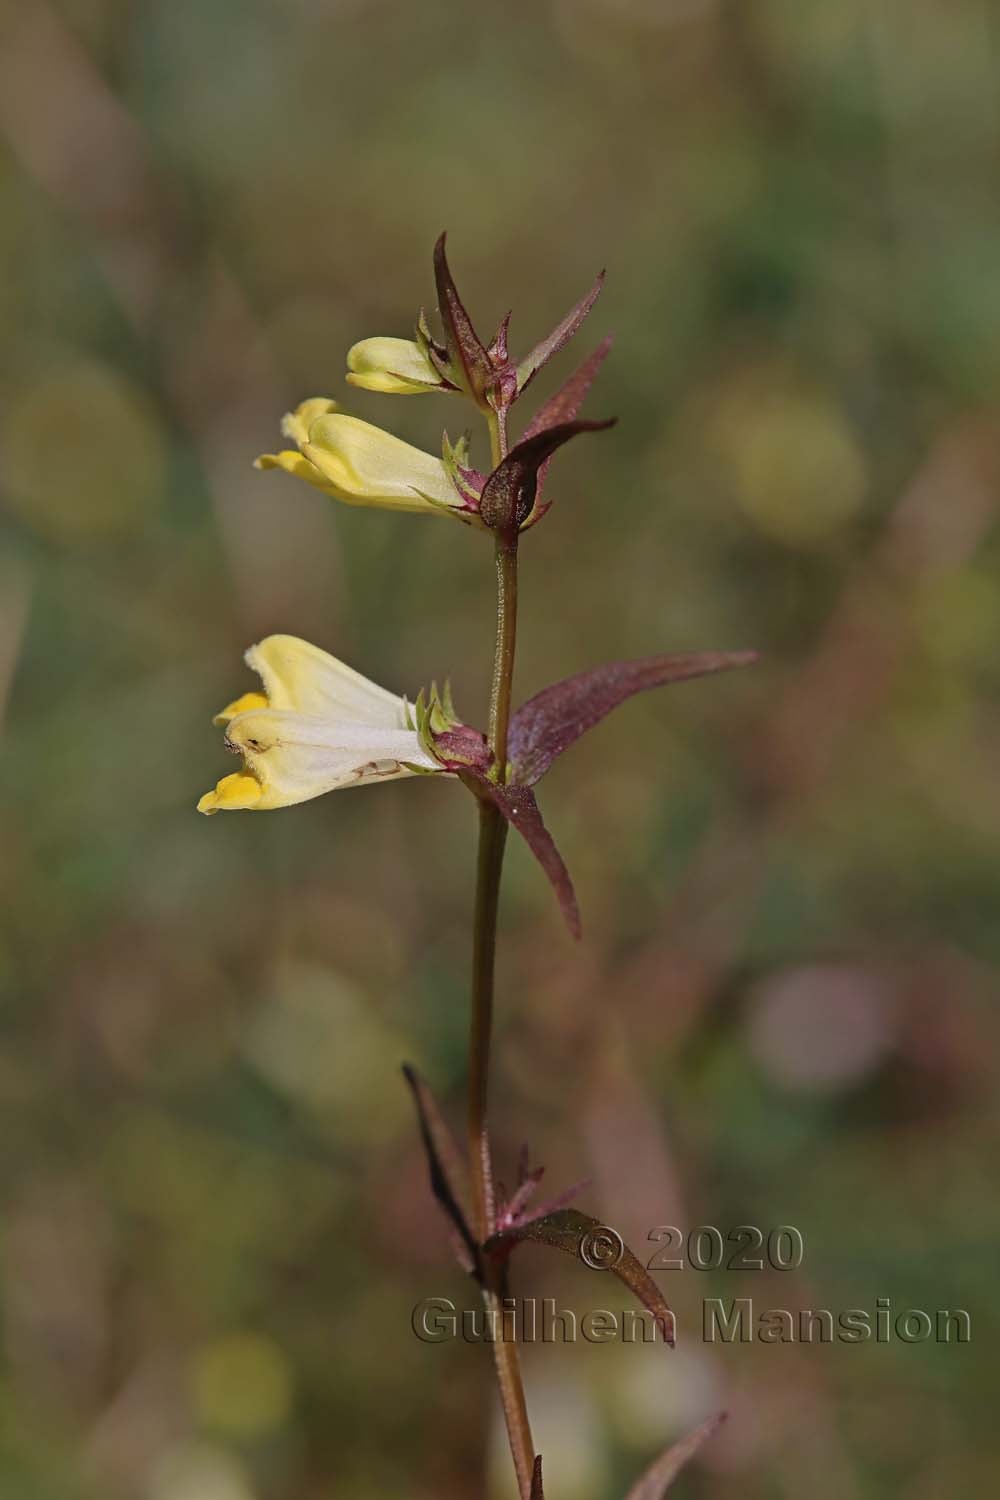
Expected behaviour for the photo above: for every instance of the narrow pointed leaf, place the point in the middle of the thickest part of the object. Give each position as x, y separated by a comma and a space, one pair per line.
560, 335
467, 481
518, 805
567, 1229
444, 1162
498, 345
509, 493
657, 1479
426, 340
553, 719
550, 1206
516, 1204
537, 1493
469, 359
564, 405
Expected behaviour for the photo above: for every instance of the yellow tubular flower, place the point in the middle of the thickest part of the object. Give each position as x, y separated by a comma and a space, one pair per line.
316, 727
360, 464
398, 367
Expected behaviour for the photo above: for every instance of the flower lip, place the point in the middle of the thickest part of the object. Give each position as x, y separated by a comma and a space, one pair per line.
296, 424
238, 792
240, 705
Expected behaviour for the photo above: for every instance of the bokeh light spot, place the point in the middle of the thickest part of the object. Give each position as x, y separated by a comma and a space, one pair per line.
242, 1384
81, 454
822, 1028
796, 468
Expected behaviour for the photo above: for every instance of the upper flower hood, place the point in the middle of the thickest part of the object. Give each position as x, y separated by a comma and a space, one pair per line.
359, 463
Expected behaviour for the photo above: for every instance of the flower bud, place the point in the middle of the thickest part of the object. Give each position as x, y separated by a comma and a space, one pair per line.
398, 367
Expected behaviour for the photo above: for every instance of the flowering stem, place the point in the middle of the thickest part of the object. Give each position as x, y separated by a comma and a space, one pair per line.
492, 839
511, 1387
503, 656
503, 661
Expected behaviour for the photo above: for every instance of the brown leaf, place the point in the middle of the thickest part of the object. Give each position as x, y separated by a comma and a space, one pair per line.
553, 719
574, 1233
509, 493
657, 1479
470, 360
447, 1171
497, 350
560, 336
518, 805
564, 405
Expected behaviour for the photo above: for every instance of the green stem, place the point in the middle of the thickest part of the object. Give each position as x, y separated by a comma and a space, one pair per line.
489, 866
503, 660
498, 435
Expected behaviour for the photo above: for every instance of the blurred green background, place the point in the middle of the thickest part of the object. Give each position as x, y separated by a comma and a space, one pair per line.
215, 1215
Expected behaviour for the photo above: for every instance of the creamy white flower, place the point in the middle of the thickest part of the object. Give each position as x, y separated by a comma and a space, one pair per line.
361, 464
317, 726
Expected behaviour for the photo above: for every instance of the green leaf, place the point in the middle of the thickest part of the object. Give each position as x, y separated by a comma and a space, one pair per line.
467, 481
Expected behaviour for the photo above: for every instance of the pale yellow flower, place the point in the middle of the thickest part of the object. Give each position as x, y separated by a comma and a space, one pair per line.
398, 367
316, 727
360, 464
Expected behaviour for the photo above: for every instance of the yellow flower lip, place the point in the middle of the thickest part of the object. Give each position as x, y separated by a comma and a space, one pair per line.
240, 705
232, 794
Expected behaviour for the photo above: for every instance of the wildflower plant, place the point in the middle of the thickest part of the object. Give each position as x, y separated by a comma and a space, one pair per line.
316, 725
